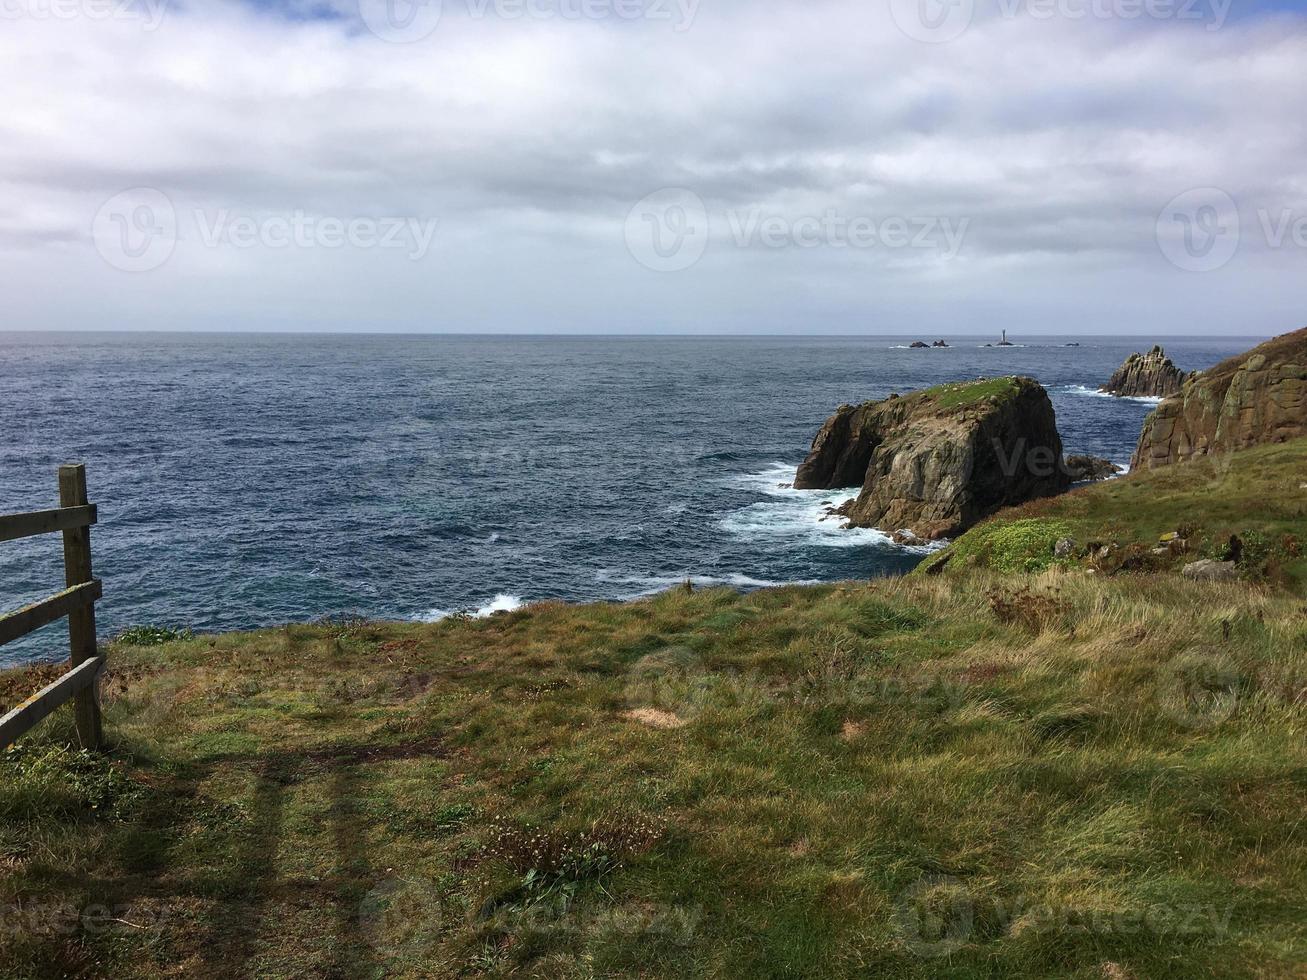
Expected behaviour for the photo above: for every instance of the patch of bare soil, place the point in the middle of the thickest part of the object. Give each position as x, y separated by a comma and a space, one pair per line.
653, 718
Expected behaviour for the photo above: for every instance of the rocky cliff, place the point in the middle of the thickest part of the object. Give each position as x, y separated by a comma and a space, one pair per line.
937, 461
1150, 375
1257, 397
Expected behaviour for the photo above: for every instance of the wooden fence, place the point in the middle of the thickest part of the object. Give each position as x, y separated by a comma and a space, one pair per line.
74, 518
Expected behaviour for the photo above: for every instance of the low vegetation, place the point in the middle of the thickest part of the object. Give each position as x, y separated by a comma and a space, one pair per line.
1249, 506
1028, 766
956, 394
987, 775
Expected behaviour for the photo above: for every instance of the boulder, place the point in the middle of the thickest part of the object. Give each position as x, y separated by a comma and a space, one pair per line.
1150, 375
1254, 398
1065, 548
935, 462
918, 343
1208, 570
1087, 469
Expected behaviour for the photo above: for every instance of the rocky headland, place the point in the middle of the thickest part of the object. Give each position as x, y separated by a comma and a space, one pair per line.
1151, 375
1250, 399
935, 462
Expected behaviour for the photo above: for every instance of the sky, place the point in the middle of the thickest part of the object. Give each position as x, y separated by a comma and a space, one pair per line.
910, 167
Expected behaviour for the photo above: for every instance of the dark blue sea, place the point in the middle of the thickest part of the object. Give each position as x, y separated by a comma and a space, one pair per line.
249, 480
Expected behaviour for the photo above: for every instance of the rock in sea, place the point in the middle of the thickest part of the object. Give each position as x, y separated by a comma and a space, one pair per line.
1083, 469
1150, 375
935, 462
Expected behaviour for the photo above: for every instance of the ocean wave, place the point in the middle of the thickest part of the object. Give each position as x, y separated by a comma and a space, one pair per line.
653, 584
802, 517
503, 602
1088, 392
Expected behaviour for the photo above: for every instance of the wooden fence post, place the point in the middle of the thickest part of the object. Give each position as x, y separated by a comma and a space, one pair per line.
81, 621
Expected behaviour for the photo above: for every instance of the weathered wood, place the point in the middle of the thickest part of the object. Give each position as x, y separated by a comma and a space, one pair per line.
13, 526
81, 622
38, 614
39, 706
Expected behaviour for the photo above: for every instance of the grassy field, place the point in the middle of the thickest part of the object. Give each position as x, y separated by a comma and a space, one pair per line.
1259, 496
1054, 775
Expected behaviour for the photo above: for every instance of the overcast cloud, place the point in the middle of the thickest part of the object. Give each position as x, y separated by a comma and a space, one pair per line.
920, 167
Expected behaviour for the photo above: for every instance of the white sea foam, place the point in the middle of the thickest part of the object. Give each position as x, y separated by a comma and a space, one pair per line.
650, 584
1095, 393
801, 517
503, 602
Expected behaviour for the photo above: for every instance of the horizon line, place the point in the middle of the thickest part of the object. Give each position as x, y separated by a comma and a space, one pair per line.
110, 331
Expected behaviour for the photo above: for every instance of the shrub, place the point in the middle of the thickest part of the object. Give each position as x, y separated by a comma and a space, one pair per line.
1029, 609
151, 636
1013, 546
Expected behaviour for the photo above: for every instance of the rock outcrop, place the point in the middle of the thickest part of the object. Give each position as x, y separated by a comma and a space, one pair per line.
1208, 570
1150, 375
937, 461
1090, 469
1254, 398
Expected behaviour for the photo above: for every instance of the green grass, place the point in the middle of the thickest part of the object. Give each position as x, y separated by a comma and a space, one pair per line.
1077, 776
957, 394
1021, 545
150, 636
1257, 495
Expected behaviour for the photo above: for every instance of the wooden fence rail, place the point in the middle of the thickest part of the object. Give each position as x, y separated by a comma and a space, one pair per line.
73, 518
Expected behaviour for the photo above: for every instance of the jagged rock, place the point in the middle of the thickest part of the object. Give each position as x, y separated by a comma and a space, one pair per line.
1257, 397
1150, 375
937, 461
1084, 469
918, 343
1065, 548
906, 537
1208, 570
939, 343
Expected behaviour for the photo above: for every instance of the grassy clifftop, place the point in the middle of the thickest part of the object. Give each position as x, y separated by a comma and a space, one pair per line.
1259, 495
1059, 775
963, 393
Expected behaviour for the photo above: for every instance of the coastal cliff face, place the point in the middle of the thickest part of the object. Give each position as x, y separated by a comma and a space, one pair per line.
1150, 375
937, 461
1254, 398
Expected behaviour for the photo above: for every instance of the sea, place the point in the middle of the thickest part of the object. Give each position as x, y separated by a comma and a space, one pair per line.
253, 480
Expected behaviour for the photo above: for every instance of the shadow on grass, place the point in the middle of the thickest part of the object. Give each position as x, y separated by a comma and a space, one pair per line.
247, 885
